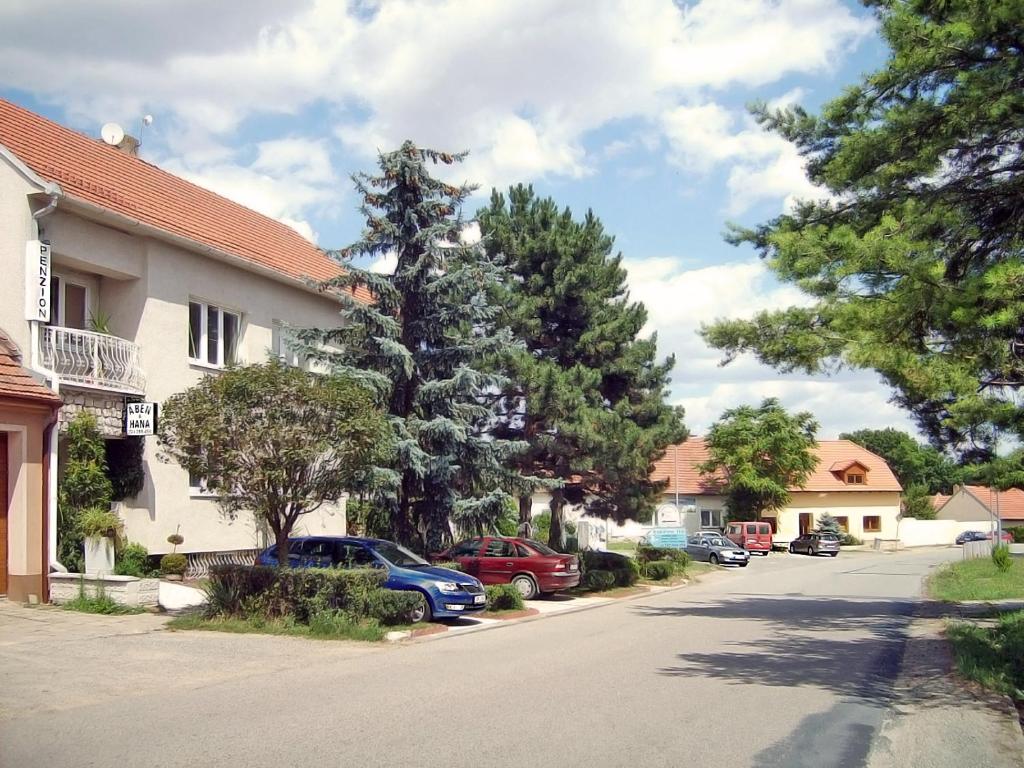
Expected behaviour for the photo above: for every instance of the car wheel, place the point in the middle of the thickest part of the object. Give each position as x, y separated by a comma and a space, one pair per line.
713, 559
792, 549
832, 554
743, 565
422, 612
526, 586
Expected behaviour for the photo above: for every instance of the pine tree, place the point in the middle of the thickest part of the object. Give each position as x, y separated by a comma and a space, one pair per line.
418, 345
586, 393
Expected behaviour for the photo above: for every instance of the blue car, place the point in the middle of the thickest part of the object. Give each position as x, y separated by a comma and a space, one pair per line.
446, 594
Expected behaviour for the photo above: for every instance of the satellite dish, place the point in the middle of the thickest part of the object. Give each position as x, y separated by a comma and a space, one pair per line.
112, 134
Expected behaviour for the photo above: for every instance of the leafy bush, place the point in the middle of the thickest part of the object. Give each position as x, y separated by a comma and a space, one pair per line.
173, 564
503, 597
96, 521
452, 566
390, 607
1001, 557
133, 560
659, 570
604, 561
230, 585
83, 484
1017, 532
627, 577
849, 540
678, 557
598, 580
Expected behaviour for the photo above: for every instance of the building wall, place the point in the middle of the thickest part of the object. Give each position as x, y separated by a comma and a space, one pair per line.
854, 505
964, 507
26, 515
145, 286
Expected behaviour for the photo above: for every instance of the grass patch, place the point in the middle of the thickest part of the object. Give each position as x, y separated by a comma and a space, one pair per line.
627, 547
102, 604
324, 626
977, 580
992, 656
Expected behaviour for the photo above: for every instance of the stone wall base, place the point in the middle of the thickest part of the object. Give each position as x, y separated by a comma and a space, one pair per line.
106, 407
126, 590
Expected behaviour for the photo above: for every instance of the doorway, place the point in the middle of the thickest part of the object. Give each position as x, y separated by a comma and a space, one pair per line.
4, 499
806, 522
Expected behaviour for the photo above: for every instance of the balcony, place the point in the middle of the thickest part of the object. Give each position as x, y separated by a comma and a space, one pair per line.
95, 360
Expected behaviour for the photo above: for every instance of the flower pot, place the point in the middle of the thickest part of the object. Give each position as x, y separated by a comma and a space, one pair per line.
99, 554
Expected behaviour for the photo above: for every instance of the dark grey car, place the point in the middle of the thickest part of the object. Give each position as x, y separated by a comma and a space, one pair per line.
716, 549
816, 544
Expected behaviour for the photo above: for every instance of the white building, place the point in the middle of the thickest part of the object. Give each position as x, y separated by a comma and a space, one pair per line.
154, 283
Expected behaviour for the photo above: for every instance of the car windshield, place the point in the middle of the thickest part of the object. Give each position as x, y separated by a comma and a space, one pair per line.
542, 549
398, 555
717, 542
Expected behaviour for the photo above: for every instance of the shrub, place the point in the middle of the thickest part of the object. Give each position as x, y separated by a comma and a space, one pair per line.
659, 570
229, 585
603, 561
173, 564
1001, 557
503, 597
1017, 532
133, 560
677, 557
340, 624
96, 521
390, 607
849, 540
628, 576
452, 566
598, 580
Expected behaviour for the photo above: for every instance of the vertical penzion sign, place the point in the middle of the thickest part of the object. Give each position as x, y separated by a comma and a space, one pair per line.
37, 280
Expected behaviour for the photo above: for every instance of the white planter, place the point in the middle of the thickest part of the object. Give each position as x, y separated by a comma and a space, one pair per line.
1017, 549
99, 554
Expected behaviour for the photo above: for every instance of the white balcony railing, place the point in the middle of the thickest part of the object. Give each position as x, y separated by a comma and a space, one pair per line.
92, 359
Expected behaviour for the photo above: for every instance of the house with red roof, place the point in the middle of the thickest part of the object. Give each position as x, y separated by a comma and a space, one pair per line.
981, 504
123, 282
849, 482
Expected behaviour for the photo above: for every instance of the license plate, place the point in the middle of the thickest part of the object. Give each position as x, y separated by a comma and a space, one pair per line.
479, 599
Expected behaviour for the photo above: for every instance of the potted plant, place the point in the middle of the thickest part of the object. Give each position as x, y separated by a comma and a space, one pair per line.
100, 529
172, 565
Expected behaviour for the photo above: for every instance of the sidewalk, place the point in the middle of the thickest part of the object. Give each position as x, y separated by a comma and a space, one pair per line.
929, 700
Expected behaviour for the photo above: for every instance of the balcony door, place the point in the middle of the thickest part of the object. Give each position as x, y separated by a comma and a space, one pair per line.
69, 304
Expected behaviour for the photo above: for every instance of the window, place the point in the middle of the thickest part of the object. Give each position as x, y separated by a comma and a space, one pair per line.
466, 548
844, 523
872, 523
280, 349
212, 334
197, 486
855, 478
499, 548
764, 529
522, 551
711, 518
69, 304
354, 556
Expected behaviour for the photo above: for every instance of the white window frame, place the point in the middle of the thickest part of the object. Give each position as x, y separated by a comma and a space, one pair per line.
202, 345
713, 516
280, 350
62, 302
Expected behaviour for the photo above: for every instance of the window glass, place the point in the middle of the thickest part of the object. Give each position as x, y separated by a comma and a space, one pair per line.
212, 335
872, 523
466, 548
230, 337
764, 528
75, 310
844, 523
54, 300
542, 549
353, 556
522, 551
499, 548
318, 548
195, 329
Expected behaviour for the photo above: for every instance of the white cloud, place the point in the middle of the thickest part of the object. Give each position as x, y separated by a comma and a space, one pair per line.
679, 300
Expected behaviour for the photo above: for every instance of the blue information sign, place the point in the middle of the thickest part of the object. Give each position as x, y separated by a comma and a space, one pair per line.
670, 538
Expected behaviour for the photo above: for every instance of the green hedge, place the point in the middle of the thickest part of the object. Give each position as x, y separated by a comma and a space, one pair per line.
452, 566
659, 570
598, 580
503, 597
305, 593
1017, 532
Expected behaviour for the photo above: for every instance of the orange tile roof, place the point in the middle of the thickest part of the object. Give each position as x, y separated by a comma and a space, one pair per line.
18, 383
1011, 502
679, 467
939, 500
93, 172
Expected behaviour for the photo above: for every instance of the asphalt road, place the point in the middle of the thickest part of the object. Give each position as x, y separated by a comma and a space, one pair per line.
788, 662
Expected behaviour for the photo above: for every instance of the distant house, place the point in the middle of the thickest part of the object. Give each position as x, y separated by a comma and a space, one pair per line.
979, 503
849, 482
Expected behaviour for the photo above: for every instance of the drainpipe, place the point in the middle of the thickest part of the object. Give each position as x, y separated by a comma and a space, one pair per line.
53, 432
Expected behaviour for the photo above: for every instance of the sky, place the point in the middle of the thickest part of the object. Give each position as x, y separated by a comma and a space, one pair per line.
635, 109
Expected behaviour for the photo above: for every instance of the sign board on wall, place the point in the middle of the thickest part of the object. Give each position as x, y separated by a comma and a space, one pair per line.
139, 419
670, 538
37, 281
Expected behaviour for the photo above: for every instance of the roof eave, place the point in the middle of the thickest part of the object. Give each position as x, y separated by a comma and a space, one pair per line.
33, 178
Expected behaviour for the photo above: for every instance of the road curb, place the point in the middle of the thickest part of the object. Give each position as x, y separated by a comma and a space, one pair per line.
541, 616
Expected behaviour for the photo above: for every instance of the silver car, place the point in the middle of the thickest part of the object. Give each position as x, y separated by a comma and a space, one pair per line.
717, 550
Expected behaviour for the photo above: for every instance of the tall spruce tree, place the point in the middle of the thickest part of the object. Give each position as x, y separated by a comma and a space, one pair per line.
586, 393
418, 345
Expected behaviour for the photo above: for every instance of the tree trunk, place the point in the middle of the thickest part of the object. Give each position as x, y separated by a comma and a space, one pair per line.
525, 517
281, 537
556, 536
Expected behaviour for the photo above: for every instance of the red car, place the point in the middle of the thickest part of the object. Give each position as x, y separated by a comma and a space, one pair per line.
1006, 538
533, 568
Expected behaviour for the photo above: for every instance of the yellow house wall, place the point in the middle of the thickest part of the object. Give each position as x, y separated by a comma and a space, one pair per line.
854, 505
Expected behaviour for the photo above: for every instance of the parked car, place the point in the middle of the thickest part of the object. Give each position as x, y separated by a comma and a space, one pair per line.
815, 543
966, 536
447, 594
1006, 537
716, 549
751, 536
531, 567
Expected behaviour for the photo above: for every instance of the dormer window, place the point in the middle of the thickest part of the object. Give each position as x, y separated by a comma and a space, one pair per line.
850, 472
855, 478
